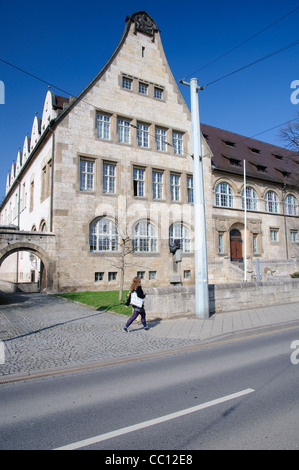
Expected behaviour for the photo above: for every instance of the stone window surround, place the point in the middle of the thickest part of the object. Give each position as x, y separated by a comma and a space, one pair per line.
114, 117
151, 86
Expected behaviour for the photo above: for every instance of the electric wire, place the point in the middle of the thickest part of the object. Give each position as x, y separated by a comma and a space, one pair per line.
278, 51
243, 42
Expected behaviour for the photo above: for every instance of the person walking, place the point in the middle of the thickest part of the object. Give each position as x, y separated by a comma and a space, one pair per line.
137, 310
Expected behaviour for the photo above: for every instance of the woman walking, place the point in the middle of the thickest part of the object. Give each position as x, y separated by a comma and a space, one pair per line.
137, 310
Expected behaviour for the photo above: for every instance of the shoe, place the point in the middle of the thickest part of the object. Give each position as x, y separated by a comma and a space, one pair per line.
146, 327
126, 329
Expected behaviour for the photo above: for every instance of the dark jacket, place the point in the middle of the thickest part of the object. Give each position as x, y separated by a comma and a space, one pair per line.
140, 294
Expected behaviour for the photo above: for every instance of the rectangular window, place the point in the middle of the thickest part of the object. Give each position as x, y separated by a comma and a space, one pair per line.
157, 185
254, 244
152, 275
175, 188
161, 139
158, 93
98, 277
86, 175
103, 126
274, 235
109, 176
112, 276
187, 274
141, 274
221, 243
127, 83
294, 236
190, 188
143, 88
123, 130
177, 142
142, 135
139, 182
31, 197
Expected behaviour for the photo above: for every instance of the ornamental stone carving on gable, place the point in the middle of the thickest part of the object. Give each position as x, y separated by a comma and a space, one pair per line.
144, 24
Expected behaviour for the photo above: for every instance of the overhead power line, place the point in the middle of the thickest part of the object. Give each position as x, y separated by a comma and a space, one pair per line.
278, 51
243, 42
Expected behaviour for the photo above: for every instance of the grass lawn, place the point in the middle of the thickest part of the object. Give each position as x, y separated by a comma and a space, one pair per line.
107, 300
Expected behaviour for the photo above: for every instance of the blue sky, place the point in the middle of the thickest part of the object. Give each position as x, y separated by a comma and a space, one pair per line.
67, 42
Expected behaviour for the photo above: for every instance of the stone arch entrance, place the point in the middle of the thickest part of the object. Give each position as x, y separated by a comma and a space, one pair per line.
37, 243
236, 250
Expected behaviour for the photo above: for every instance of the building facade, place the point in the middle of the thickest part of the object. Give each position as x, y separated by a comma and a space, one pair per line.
110, 174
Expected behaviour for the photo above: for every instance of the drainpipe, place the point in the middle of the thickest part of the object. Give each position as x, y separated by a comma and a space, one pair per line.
52, 177
285, 219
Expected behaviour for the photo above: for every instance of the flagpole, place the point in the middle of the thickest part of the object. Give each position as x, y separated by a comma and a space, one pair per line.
245, 225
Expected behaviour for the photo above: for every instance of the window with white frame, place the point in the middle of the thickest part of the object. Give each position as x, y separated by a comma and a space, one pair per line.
158, 93
290, 205
143, 135
180, 233
139, 182
98, 276
103, 126
271, 202
109, 177
254, 243
251, 199
221, 243
103, 235
274, 234
86, 175
112, 276
143, 87
127, 83
161, 139
190, 188
177, 142
144, 238
123, 130
175, 187
294, 236
157, 184
224, 195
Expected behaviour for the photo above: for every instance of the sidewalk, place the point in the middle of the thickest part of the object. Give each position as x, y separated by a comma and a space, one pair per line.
42, 333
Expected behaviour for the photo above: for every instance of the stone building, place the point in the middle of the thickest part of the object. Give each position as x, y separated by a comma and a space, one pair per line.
109, 173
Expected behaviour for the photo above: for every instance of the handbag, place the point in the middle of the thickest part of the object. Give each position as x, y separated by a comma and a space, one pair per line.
135, 300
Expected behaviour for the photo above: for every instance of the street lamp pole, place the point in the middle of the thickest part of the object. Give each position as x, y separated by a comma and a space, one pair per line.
200, 239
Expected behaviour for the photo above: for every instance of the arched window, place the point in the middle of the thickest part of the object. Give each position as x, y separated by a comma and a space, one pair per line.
224, 195
180, 232
42, 226
271, 202
103, 235
144, 237
291, 205
251, 199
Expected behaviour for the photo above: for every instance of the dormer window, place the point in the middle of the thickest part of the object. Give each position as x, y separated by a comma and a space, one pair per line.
254, 150
261, 168
229, 143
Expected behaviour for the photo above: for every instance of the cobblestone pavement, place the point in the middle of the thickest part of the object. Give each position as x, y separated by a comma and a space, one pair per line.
42, 332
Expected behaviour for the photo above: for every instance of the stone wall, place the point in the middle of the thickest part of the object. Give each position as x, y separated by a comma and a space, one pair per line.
166, 302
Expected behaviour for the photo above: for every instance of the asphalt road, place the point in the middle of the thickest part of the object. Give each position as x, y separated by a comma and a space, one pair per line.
231, 395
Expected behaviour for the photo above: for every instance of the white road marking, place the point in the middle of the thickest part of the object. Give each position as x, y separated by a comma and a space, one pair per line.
152, 422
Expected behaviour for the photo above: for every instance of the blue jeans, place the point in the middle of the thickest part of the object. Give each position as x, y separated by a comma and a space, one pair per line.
137, 311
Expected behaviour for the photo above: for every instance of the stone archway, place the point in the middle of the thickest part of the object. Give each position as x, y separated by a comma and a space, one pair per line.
44, 249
